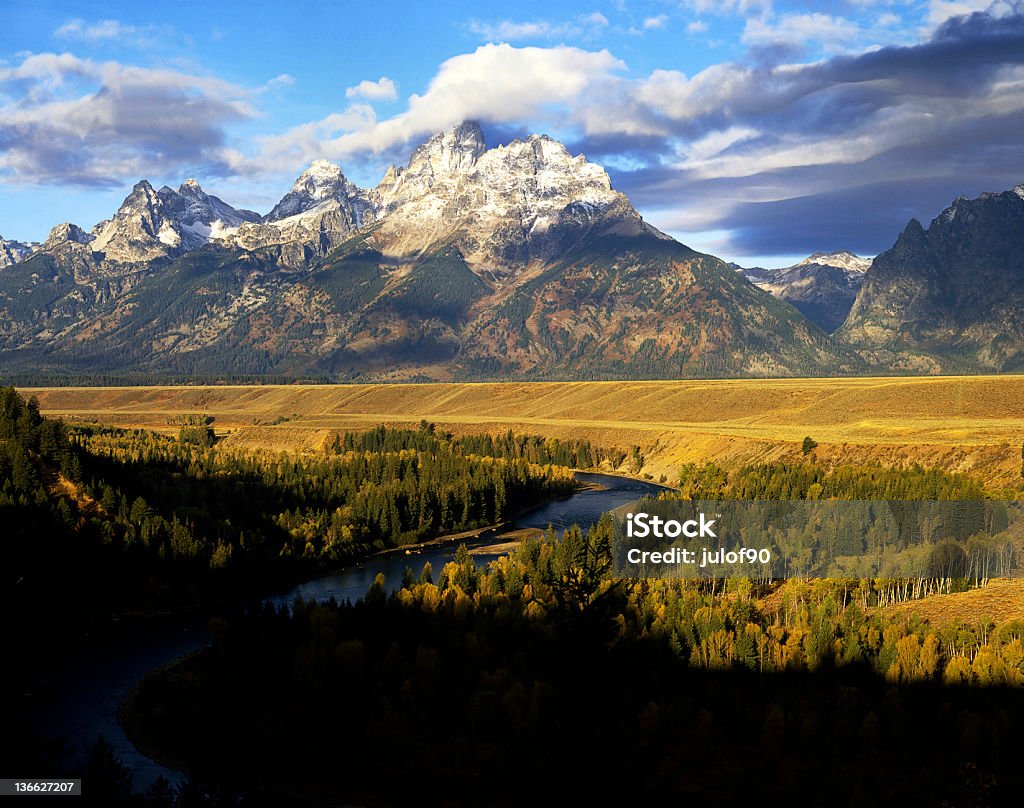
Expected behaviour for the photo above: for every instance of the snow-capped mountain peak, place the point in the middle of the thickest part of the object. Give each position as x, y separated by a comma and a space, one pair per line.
13, 251
322, 182
841, 259
150, 224
502, 205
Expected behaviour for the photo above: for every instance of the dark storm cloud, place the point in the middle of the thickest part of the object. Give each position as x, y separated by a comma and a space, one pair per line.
838, 153
864, 220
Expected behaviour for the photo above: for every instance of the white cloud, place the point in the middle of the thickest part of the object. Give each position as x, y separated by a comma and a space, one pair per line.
714, 143
652, 23
743, 8
384, 89
696, 27
941, 10
516, 31
77, 121
104, 29
497, 83
101, 32
281, 81
797, 29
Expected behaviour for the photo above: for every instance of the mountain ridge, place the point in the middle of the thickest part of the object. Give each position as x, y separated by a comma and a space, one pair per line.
949, 297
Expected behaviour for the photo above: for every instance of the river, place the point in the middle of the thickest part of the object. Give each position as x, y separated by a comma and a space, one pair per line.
83, 701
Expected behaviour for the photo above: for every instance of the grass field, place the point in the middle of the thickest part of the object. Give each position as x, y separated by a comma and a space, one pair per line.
1000, 601
972, 424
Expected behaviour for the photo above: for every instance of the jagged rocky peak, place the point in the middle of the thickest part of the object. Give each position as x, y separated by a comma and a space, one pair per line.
503, 206
959, 284
323, 182
141, 230
436, 167
11, 252
459, 157
319, 212
150, 224
67, 232
451, 151
202, 215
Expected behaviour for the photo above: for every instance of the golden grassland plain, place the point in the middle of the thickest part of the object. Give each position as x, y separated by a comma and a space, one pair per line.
970, 424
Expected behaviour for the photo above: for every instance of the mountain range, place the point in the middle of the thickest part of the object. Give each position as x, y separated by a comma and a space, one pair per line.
822, 287
469, 262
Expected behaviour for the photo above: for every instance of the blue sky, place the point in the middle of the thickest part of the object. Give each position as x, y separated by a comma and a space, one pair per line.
757, 130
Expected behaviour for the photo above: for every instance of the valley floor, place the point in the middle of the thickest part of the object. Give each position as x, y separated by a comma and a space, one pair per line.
969, 424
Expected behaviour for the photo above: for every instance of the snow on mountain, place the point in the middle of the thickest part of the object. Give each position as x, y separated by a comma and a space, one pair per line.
322, 184
13, 251
823, 286
319, 212
843, 260
503, 206
201, 217
152, 224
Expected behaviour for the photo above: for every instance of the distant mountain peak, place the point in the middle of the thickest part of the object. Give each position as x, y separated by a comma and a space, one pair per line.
842, 259
322, 182
822, 287
67, 232
11, 252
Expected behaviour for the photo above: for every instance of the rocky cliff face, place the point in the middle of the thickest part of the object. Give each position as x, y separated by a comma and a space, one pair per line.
321, 210
949, 298
159, 224
67, 233
13, 251
822, 287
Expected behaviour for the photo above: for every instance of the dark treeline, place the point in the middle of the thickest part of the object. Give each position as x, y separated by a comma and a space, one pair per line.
130, 521
98, 522
542, 672
532, 448
33, 451
811, 481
